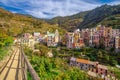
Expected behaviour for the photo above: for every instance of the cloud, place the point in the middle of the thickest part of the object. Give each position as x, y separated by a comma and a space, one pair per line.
53, 8
59, 8
114, 3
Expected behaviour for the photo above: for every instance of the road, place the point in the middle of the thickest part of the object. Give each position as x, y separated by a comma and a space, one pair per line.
12, 69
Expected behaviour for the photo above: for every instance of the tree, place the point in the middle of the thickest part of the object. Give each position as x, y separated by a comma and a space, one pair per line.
113, 62
102, 43
100, 55
107, 58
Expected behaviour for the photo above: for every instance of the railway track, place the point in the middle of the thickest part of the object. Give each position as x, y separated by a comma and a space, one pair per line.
12, 69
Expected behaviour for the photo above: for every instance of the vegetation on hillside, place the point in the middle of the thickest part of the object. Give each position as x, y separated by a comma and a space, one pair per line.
116, 71
113, 21
13, 25
106, 14
69, 22
54, 68
98, 14
5, 42
58, 67
104, 57
16, 24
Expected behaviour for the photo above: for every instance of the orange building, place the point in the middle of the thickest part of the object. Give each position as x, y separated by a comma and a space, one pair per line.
87, 65
79, 44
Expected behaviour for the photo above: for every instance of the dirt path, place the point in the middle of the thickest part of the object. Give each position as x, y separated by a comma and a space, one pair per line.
12, 70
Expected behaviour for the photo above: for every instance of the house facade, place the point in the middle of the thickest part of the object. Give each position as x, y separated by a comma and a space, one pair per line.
36, 37
53, 38
74, 40
50, 39
28, 40
101, 36
117, 43
69, 40
91, 66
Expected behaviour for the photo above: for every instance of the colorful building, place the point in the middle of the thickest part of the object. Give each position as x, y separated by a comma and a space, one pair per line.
94, 67
74, 40
115, 32
86, 37
79, 44
36, 37
76, 36
96, 38
70, 39
53, 38
57, 36
108, 31
50, 39
101, 30
117, 43
28, 40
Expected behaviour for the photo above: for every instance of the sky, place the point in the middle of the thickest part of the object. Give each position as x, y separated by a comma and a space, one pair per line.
52, 8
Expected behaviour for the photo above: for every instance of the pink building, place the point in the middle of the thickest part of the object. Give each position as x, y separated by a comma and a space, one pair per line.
70, 40
101, 30
96, 38
86, 37
101, 69
91, 33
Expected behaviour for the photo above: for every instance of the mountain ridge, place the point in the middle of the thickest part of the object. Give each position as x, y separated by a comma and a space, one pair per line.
98, 14
71, 21
89, 18
15, 24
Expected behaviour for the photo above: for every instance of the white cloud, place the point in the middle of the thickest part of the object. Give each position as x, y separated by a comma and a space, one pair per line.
53, 8
37, 13
114, 3
59, 8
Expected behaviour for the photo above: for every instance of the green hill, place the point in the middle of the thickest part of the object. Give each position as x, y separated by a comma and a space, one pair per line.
69, 22
106, 14
16, 24
113, 21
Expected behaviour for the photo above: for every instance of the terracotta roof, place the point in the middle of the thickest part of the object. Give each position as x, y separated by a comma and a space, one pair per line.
83, 61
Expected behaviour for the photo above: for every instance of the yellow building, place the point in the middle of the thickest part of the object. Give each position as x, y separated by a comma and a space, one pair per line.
108, 31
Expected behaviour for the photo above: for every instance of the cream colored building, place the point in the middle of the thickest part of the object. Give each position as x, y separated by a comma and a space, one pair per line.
57, 38
31, 43
117, 43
